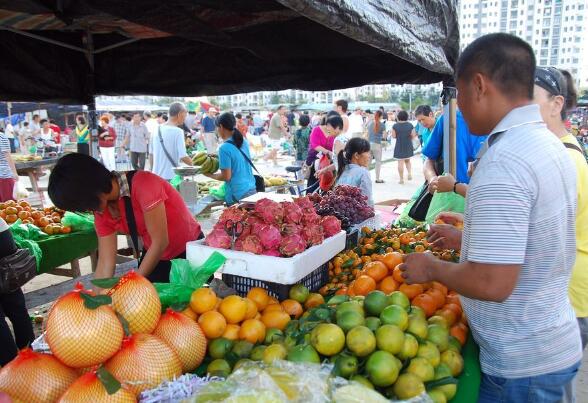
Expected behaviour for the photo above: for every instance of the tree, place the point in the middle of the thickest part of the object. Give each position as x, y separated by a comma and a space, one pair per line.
275, 99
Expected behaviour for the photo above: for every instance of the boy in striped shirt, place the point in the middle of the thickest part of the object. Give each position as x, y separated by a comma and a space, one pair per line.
518, 245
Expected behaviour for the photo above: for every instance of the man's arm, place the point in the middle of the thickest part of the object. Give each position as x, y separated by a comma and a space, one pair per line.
11, 165
486, 282
156, 224
106, 256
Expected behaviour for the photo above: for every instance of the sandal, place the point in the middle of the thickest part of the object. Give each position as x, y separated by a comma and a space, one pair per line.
379, 181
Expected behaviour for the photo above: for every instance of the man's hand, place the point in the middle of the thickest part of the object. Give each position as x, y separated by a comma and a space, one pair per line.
444, 236
433, 184
449, 217
445, 183
417, 267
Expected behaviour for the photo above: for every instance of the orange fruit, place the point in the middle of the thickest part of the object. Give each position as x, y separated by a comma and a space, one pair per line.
455, 308
213, 324
273, 308
391, 260
449, 316
259, 296
277, 319
397, 274
376, 270
438, 296
292, 308
453, 298
232, 332
341, 291
273, 300
190, 313
218, 302
203, 300
388, 285
363, 285
460, 332
313, 300
426, 303
251, 309
437, 285
411, 290
233, 308
252, 330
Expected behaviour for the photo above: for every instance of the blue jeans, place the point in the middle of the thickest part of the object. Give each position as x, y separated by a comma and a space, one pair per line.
547, 388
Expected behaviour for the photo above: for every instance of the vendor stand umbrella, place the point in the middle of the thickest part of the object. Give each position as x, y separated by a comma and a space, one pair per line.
68, 51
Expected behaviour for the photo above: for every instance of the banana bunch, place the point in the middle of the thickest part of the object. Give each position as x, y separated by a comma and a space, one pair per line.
204, 187
208, 164
275, 181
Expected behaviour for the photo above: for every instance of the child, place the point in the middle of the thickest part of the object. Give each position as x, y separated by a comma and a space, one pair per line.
302, 139
353, 162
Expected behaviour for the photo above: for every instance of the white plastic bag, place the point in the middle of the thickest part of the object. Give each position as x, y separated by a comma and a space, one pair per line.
19, 191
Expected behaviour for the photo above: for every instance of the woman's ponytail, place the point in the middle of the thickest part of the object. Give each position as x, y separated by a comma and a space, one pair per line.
237, 138
228, 121
342, 162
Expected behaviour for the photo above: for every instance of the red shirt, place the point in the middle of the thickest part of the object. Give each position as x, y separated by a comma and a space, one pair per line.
107, 143
55, 128
148, 190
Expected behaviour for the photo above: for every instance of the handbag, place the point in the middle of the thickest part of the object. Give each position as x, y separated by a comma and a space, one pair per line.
169, 158
259, 181
418, 211
16, 270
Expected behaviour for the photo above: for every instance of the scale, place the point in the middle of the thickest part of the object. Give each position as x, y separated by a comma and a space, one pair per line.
188, 186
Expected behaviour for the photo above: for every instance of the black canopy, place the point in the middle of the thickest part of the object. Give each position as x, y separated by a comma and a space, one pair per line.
67, 51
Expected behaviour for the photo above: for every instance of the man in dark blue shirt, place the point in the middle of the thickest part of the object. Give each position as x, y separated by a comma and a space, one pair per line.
209, 137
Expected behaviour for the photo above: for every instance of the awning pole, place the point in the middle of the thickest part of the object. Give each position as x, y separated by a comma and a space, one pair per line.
449, 98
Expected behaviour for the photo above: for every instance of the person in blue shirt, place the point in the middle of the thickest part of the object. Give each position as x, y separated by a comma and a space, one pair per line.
234, 161
208, 131
426, 122
467, 148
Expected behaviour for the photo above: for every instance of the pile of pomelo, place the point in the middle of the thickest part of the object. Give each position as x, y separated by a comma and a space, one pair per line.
379, 340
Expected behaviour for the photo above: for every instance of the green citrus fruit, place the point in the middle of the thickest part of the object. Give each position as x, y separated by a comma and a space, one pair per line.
350, 319
272, 335
299, 293
394, 315
437, 396
372, 323
438, 320
361, 341
422, 368
363, 380
408, 386
304, 353
417, 326
219, 367
257, 353
429, 351
218, 348
410, 347
438, 335
382, 368
328, 339
375, 302
274, 352
240, 363
390, 338
443, 371
418, 311
400, 299
242, 348
453, 360
345, 366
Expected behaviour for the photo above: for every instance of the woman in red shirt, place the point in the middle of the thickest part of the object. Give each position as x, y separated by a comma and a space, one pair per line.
79, 183
106, 138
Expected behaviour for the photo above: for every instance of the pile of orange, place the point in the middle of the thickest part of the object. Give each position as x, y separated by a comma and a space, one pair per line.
238, 318
47, 219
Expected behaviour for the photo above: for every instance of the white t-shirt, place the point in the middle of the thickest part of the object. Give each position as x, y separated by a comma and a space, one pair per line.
173, 139
152, 126
9, 131
355, 123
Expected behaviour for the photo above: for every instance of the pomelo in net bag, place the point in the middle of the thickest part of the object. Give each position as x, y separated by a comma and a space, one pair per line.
136, 299
88, 388
184, 336
79, 336
35, 377
143, 362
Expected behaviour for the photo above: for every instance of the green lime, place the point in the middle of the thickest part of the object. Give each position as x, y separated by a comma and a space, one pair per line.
395, 315
345, 366
438, 335
218, 348
375, 302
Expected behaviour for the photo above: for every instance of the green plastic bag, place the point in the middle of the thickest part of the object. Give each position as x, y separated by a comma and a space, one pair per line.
78, 222
219, 191
185, 278
441, 202
27, 231
175, 182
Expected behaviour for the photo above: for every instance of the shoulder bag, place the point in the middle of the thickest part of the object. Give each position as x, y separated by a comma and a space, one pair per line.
169, 158
259, 181
16, 270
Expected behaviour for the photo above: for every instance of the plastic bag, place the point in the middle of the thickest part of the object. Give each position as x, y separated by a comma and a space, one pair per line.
27, 231
19, 191
175, 182
441, 202
219, 191
185, 278
78, 222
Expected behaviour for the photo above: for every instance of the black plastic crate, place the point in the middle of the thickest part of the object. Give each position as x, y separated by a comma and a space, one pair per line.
352, 239
313, 281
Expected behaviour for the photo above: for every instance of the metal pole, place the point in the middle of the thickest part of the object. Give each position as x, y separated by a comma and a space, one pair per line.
449, 98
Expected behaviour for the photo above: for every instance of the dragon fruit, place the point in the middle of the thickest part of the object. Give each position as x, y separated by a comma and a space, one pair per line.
292, 245
269, 211
253, 224
234, 214
218, 238
292, 213
289, 229
238, 244
305, 204
272, 252
313, 234
311, 218
270, 237
252, 244
331, 225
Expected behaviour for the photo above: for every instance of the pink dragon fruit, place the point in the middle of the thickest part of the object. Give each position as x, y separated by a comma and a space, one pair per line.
331, 225
272, 252
269, 211
238, 244
289, 229
311, 218
254, 224
269, 236
292, 245
292, 213
218, 238
232, 214
252, 244
313, 234
305, 204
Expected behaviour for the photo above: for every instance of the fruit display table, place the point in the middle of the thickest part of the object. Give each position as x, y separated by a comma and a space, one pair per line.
62, 249
28, 168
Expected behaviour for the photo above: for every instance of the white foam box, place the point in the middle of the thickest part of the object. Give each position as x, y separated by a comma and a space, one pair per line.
279, 270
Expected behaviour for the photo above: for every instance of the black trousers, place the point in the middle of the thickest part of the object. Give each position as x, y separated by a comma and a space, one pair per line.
84, 148
12, 306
